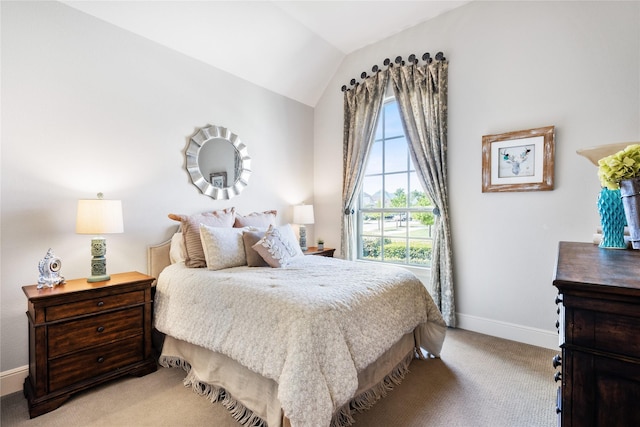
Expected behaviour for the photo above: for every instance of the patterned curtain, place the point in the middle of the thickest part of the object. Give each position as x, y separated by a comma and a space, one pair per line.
361, 110
421, 92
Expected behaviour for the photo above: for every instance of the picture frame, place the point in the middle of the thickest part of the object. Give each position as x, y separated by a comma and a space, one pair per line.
218, 179
519, 161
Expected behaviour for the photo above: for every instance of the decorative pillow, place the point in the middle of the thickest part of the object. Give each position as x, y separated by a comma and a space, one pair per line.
177, 251
223, 247
257, 219
194, 254
278, 246
250, 238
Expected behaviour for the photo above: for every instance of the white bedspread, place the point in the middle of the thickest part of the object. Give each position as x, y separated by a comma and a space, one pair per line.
310, 327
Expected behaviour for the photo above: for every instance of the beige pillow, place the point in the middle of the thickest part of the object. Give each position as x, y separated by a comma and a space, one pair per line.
223, 247
194, 254
250, 238
177, 251
257, 219
278, 246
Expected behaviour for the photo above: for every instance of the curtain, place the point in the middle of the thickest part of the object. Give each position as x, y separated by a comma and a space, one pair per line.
361, 111
421, 92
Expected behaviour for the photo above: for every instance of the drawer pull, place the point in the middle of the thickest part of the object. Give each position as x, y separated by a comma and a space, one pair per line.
557, 324
557, 360
557, 377
100, 329
100, 303
558, 410
100, 359
558, 299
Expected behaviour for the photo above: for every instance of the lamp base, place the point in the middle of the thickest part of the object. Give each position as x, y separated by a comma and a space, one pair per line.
303, 238
98, 262
101, 278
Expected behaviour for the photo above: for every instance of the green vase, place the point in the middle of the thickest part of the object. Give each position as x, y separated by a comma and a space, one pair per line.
612, 219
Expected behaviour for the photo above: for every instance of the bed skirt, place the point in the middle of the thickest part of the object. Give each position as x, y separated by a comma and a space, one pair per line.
252, 399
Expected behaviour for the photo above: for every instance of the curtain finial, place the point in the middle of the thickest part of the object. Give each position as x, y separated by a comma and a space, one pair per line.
413, 59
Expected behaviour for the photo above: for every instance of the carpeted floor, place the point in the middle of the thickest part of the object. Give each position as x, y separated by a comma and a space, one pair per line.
480, 381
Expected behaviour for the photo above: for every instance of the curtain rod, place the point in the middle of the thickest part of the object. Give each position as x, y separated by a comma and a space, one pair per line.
398, 61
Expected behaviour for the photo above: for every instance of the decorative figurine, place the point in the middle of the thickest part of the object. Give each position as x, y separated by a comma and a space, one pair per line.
49, 268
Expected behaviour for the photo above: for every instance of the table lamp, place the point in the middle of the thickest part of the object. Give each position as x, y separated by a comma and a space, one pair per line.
302, 215
97, 217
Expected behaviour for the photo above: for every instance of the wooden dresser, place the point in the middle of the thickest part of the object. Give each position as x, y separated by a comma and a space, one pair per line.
599, 329
82, 334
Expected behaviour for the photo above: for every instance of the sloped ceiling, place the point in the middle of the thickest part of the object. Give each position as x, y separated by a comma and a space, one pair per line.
263, 41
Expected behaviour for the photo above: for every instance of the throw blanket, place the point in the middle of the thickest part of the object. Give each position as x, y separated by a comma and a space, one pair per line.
310, 327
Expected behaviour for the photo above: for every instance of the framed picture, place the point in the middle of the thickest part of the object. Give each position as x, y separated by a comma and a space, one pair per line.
518, 161
218, 179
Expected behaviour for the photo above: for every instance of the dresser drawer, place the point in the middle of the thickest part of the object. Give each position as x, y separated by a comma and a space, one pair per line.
93, 305
606, 332
67, 370
83, 333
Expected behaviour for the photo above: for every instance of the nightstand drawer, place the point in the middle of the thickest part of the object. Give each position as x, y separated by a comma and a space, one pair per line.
67, 370
93, 305
101, 329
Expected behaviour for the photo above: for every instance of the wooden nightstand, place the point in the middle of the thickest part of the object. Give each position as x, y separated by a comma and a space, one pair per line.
313, 250
82, 334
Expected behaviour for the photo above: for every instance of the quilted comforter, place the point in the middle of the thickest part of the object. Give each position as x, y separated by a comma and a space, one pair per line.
311, 327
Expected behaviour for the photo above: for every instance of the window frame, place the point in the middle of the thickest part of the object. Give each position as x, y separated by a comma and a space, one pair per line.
408, 210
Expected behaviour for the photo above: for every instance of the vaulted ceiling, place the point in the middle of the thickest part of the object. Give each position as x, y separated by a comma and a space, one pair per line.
260, 41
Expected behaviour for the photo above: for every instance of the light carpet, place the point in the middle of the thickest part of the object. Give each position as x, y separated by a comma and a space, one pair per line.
480, 381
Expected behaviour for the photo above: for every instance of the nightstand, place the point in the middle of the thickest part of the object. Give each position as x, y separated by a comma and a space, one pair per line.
82, 334
313, 250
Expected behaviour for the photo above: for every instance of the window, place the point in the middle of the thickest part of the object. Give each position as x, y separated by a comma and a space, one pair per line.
395, 216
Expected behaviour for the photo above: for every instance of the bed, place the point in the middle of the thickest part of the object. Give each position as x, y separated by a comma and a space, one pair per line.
307, 344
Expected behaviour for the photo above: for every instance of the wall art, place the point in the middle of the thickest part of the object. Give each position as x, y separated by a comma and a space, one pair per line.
518, 161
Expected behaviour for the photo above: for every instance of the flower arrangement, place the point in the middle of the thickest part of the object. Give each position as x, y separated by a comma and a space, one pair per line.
622, 165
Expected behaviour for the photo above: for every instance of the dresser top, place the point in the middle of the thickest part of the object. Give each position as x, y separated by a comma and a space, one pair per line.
587, 264
78, 285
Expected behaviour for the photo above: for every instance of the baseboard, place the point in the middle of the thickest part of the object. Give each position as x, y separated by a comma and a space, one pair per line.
12, 380
509, 331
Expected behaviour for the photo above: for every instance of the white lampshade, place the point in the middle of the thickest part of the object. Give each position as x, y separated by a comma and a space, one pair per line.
99, 216
303, 214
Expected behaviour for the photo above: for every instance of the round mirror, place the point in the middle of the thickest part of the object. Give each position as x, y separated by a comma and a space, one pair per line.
218, 162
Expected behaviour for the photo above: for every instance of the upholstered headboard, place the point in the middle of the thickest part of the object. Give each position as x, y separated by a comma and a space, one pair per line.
158, 258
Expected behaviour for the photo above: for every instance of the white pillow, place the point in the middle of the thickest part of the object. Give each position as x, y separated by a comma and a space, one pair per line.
278, 246
177, 251
223, 247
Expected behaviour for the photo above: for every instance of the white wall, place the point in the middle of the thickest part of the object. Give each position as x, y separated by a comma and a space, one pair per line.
88, 107
513, 66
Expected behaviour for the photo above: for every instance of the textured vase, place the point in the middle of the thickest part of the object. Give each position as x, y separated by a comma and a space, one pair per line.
630, 194
612, 219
